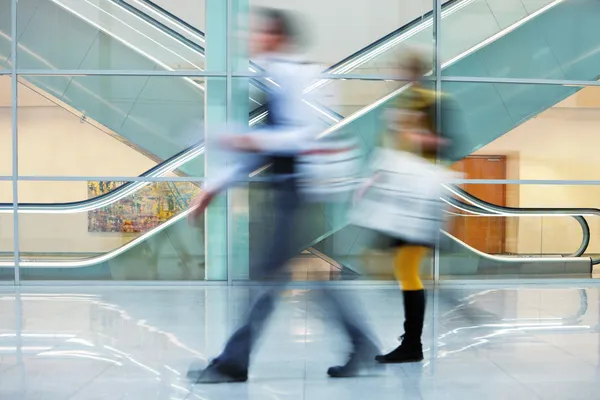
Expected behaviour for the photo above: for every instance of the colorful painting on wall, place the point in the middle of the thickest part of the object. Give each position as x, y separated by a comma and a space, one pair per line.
142, 211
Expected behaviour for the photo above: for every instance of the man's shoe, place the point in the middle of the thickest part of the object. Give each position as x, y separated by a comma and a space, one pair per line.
219, 373
359, 361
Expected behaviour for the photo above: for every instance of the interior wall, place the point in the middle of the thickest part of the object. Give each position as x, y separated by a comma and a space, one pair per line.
54, 142
558, 144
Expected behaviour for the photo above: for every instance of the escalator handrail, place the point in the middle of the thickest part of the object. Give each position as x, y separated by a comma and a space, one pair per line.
173, 17
585, 228
493, 208
87, 262
570, 211
507, 259
113, 196
160, 25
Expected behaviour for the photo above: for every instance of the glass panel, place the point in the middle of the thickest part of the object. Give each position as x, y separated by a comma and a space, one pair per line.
519, 39
6, 191
376, 48
111, 126
332, 33
5, 34
5, 126
104, 34
345, 97
485, 112
7, 236
253, 213
362, 40
512, 121
189, 14
254, 237
144, 236
335, 32
324, 243
542, 231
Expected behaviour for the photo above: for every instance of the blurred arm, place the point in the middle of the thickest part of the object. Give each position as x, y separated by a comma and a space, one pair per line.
287, 140
237, 172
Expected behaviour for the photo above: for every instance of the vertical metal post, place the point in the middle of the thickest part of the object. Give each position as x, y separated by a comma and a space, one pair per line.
228, 105
215, 115
437, 65
237, 111
15, 144
437, 28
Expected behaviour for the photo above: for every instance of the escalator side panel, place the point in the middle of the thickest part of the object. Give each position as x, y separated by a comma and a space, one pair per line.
177, 253
493, 109
572, 35
130, 106
53, 48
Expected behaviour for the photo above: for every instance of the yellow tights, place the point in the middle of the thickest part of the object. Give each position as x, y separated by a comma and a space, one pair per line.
407, 264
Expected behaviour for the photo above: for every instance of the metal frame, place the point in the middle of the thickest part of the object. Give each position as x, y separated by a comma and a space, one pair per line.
15, 140
437, 69
228, 102
229, 75
447, 284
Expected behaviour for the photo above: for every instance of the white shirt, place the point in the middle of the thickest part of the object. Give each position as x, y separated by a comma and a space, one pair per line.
294, 126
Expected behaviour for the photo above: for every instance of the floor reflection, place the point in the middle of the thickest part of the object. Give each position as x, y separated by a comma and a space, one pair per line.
138, 343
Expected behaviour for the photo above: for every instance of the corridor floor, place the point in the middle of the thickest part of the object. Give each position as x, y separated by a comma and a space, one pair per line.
531, 342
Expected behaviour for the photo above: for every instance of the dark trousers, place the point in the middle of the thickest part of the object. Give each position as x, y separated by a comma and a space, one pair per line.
280, 249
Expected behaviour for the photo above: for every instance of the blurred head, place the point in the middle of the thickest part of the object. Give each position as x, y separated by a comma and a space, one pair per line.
274, 31
414, 65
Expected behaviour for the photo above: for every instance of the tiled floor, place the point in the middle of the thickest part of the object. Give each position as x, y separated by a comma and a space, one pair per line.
137, 343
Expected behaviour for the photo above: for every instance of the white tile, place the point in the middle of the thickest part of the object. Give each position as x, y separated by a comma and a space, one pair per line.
124, 343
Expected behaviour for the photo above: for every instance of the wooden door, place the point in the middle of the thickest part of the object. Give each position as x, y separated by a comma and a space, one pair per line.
486, 234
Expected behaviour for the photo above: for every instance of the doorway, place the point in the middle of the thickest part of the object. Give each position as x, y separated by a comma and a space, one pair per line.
486, 234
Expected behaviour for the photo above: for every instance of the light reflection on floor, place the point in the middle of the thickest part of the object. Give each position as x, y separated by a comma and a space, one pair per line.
137, 343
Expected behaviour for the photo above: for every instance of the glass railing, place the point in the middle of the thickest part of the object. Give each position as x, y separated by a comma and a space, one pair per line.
142, 236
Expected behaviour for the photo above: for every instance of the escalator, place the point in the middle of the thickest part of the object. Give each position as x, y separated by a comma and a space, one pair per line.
150, 112
460, 258
522, 47
164, 248
143, 124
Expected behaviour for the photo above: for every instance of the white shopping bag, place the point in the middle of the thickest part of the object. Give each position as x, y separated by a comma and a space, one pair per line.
404, 197
330, 170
